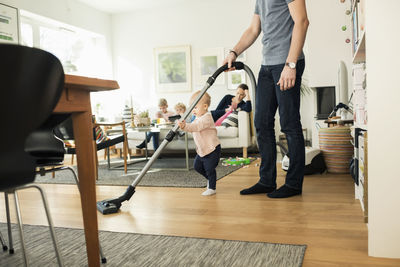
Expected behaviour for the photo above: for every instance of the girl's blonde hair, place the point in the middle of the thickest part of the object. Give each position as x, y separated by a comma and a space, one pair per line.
206, 98
162, 102
180, 105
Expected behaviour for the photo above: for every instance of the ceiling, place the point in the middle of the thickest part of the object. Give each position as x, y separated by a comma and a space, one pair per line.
120, 6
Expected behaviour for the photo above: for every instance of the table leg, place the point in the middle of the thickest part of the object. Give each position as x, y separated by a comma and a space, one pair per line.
146, 149
83, 132
187, 151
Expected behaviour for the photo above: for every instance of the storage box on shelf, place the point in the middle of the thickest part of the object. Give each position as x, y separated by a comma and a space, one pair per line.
359, 96
361, 189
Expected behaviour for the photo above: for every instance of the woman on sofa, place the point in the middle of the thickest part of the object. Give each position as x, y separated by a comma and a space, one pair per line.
230, 102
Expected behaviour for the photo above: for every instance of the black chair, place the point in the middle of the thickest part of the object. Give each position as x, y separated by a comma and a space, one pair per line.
48, 151
31, 84
64, 131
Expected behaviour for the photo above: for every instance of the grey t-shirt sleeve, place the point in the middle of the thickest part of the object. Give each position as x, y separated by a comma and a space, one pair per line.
257, 9
289, 1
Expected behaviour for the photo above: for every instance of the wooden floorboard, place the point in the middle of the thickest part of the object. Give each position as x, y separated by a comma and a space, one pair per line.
326, 217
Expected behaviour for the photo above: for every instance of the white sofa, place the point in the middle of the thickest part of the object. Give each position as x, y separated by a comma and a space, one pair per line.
230, 137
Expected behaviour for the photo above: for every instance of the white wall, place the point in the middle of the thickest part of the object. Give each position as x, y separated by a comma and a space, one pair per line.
383, 95
201, 25
325, 46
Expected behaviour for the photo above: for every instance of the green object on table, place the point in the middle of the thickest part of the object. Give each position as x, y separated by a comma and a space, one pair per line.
237, 161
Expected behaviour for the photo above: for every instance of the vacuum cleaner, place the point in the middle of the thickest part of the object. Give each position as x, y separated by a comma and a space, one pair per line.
110, 206
314, 163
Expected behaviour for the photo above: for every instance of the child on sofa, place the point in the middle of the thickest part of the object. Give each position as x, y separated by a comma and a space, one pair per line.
162, 113
207, 144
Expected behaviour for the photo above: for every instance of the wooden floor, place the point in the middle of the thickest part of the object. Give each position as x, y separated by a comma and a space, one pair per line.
326, 217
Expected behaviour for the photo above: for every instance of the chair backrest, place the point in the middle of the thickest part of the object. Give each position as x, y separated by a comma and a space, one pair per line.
44, 145
65, 130
31, 84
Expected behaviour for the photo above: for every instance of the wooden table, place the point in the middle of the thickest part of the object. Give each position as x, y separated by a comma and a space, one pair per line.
75, 99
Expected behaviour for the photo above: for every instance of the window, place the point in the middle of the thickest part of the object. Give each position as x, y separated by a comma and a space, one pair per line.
81, 52
26, 34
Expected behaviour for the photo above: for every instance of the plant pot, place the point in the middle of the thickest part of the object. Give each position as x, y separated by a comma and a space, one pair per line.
143, 122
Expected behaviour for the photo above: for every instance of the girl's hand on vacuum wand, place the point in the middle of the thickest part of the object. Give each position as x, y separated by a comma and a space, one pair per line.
182, 124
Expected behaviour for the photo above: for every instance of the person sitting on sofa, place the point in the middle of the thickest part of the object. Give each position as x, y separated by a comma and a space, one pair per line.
230, 102
180, 109
162, 113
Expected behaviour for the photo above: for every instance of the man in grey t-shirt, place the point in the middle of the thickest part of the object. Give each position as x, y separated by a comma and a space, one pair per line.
284, 25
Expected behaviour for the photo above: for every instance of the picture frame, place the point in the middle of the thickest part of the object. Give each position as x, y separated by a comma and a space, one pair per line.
173, 71
235, 78
208, 60
242, 57
9, 24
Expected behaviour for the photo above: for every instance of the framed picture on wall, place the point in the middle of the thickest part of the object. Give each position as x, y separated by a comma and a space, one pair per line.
208, 60
9, 25
235, 78
173, 69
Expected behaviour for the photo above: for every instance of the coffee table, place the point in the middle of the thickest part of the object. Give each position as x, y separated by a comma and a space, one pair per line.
158, 129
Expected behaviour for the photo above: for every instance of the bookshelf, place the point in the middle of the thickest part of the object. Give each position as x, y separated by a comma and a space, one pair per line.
360, 110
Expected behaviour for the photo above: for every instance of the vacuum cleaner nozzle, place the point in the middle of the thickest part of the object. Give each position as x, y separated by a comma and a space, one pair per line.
107, 206
110, 206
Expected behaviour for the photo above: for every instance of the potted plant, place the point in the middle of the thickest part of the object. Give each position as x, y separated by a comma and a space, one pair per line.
143, 119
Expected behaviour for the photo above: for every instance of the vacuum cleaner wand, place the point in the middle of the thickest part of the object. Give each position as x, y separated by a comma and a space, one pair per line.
110, 206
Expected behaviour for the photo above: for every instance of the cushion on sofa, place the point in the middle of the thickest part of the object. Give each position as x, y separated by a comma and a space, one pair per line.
223, 117
227, 132
231, 120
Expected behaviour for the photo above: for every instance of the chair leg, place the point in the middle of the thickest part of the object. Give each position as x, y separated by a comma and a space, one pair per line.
75, 176
108, 158
21, 230
10, 240
72, 159
102, 257
3, 242
53, 174
244, 152
125, 151
96, 161
50, 221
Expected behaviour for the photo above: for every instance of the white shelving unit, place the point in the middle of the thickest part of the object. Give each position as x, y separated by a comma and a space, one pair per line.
360, 103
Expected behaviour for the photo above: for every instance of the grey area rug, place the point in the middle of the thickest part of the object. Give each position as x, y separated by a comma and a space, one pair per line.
158, 175
128, 249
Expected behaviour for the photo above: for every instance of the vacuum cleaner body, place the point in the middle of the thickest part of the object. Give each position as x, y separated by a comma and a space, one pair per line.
314, 162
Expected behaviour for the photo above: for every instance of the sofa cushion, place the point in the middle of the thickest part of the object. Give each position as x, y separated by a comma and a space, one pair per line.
231, 120
227, 132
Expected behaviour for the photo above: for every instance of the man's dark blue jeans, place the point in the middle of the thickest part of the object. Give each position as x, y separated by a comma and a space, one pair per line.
268, 98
